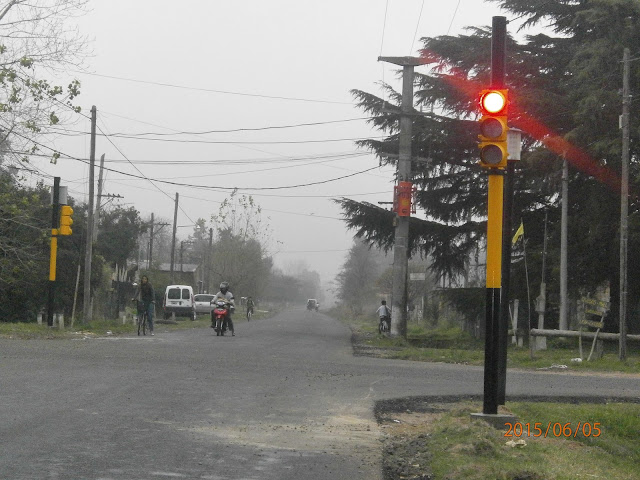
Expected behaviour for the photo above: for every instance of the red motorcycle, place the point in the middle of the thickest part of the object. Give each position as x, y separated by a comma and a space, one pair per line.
219, 316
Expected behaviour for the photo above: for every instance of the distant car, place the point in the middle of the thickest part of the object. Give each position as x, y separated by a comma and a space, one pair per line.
178, 300
203, 303
312, 304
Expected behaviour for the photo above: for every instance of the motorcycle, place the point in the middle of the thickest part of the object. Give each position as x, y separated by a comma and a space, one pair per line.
219, 316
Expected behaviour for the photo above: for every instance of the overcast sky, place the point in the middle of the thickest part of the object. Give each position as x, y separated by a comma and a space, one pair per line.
201, 65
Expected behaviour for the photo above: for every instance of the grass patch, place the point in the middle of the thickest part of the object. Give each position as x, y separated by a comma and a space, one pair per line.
27, 331
453, 345
458, 448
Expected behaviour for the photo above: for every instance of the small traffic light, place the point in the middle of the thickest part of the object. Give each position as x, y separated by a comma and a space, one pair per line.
493, 128
65, 220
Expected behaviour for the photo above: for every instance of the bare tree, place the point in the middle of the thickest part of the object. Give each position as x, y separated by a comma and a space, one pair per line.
39, 42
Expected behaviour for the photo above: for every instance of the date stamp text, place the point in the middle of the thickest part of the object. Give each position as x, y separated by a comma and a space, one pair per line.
553, 429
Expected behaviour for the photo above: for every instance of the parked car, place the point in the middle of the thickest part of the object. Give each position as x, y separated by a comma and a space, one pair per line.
179, 299
203, 303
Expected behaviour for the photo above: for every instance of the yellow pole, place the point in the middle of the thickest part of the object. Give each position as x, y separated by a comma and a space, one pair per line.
53, 256
494, 232
494, 274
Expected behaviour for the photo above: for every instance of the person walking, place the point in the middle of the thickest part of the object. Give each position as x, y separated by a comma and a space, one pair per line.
146, 299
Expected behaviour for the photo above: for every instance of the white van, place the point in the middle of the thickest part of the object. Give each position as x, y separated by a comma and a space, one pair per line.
179, 299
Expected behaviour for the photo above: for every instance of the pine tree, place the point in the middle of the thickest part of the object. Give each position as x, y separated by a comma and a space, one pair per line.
565, 96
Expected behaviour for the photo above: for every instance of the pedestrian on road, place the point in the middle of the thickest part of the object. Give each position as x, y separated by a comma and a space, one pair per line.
146, 300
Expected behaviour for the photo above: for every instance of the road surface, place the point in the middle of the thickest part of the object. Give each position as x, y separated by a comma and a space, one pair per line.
283, 399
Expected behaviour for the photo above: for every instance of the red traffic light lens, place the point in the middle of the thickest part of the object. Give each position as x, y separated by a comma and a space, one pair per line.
493, 101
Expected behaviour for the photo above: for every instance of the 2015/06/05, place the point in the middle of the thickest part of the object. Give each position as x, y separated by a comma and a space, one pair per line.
554, 429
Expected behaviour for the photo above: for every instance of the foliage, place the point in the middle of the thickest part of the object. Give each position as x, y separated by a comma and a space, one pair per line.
24, 218
356, 282
38, 40
564, 93
239, 255
118, 234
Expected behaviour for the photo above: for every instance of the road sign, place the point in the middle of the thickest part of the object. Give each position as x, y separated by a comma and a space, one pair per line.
418, 276
592, 324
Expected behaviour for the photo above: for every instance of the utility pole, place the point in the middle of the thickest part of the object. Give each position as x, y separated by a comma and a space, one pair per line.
563, 324
150, 255
624, 207
173, 240
403, 174
541, 301
151, 236
99, 200
208, 262
86, 313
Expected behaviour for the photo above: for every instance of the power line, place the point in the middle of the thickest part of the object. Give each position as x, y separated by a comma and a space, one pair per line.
232, 130
240, 142
203, 187
145, 177
244, 161
417, 26
384, 26
226, 92
455, 12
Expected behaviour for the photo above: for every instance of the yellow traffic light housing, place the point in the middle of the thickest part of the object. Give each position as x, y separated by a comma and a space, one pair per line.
493, 128
65, 220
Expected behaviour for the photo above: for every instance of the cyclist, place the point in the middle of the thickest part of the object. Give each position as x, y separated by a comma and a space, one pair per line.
146, 300
385, 317
250, 305
225, 294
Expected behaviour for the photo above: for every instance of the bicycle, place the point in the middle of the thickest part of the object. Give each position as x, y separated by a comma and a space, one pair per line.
142, 319
249, 314
384, 325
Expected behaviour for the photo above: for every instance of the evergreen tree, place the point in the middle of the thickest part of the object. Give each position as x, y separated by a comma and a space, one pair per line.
565, 96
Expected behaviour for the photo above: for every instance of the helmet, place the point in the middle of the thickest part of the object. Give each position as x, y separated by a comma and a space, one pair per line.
224, 286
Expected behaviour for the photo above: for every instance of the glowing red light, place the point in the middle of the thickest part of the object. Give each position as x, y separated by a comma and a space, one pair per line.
493, 101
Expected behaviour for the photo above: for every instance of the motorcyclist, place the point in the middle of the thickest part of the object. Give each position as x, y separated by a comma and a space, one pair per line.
227, 296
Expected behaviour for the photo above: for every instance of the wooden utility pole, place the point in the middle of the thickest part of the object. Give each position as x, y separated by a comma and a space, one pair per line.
624, 207
150, 255
86, 311
207, 272
401, 240
98, 200
173, 240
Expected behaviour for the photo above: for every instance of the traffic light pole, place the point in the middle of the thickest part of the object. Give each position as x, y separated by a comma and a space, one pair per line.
55, 208
493, 284
495, 293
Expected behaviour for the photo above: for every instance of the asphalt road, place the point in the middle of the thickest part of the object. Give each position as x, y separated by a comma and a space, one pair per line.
284, 399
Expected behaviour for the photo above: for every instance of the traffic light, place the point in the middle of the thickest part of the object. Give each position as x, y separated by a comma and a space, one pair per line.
493, 128
65, 220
